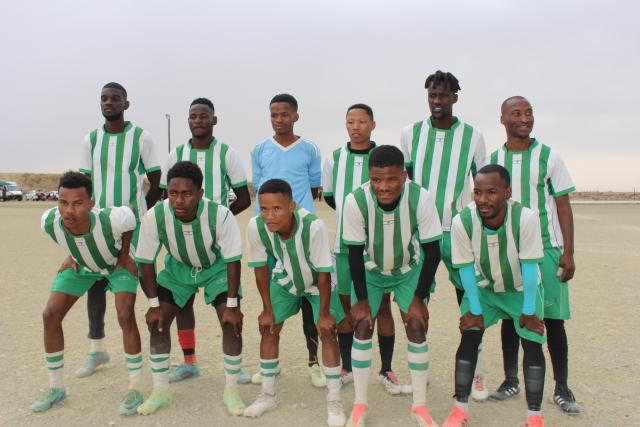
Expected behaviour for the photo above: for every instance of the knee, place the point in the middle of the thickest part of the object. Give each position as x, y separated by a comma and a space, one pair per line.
363, 330
50, 317
271, 338
415, 331
126, 316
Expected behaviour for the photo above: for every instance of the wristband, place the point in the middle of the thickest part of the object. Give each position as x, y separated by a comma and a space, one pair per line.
154, 302
232, 302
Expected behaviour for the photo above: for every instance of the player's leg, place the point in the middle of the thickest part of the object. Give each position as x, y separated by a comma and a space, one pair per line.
311, 337
510, 345
342, 276
96, 307
534, 371
186, 324
386, 343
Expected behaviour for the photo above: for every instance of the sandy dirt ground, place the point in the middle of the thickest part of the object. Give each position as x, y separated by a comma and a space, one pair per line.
604, 368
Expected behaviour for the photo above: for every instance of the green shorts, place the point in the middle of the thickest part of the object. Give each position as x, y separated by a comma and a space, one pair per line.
445, 253
184, 281
403, 288
285, 304
506, 305
556, 293
342, 274
77, 284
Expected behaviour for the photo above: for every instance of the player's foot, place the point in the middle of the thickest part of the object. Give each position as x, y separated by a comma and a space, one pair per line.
335, 414
507, 389
244, 378
534, 421
265, 402
94, 359
183, 372
358, 415
233, 401
50, 396
130, 402
257, 377
563, 397
317, 376
457, 418
479, 391
407, 388
391, 383
422, 416
346, 377
159, 398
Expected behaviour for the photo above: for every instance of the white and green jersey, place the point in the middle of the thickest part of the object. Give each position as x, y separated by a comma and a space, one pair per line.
391, 238
98, 249
442, 160
220, 164
497, 254
212, 236
299, 258
538, 176
117, 163
343, 172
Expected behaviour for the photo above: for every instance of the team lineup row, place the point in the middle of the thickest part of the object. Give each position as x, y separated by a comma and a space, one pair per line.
391, 234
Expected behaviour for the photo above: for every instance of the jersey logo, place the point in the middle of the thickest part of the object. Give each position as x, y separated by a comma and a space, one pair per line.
187, 232
389, 221
439, 139
80, 242
493, 244
517, 161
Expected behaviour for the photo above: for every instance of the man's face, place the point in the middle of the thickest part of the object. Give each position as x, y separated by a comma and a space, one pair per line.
283, 117
490, 193
202, 119
75, 206
359, 126
276, 210
517, 118
387, 183
184, 197
441, 100
113, 103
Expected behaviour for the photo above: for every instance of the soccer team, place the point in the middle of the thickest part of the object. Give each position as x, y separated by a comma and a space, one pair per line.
508, 252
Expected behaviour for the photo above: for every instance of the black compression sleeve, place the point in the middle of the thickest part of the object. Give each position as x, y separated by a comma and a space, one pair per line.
356, 265
330, 201
431, 252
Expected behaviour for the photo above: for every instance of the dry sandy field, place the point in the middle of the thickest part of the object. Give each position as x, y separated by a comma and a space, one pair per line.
604, 367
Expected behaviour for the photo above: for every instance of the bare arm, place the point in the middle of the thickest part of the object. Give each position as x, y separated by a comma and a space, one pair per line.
565, 215
314, 192
243, 200
154, 193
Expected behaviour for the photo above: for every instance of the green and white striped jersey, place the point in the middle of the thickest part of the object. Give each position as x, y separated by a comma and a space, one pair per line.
538, 176
117, 163
442, 160
211, 237
497, 254
97, 250
220, 165
343, 172
299, 258
391, 238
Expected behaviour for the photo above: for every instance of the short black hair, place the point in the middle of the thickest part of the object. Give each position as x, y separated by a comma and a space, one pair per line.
275, 185
500, 170
187, 170
202, 101
443, 78
114, 85
285, 97
386, 155
512, 98
364, 107
73, 179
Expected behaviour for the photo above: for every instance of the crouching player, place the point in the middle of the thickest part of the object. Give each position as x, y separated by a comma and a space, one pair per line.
496, 244
204, 248
99, 242
299, 242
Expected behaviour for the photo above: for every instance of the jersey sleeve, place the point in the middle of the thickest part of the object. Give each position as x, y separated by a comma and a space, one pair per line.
406, 138
315, 166
172, 159
149, 153
46, 219
320, 252
327, 176
228, 237
122, 220
85, 156
461, 247
148, 240
353, 223
428, 221
235, 169
479, 156
256, 167
257, 250
530, 244
561, 181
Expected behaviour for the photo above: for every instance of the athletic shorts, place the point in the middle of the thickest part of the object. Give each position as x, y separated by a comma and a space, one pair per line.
183, 281
556, 293
507, 305
341, 275
77, 284
285, 304
403, 287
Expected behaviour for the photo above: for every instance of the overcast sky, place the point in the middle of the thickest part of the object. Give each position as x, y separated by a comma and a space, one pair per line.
578, 62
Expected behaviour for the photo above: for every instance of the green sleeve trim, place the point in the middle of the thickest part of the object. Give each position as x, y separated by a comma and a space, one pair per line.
257, 264
163, 186
431, 239
563, 192
239, 184
152, 169
324, 269
328, 193
463, 265
532, 261
351, 242
232, 259
85, 171
144, 260
408, 164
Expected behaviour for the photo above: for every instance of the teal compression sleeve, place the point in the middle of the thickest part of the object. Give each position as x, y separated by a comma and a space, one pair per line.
530, 285
468, 277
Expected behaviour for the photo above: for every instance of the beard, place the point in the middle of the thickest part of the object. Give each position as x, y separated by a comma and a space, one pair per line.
113, 117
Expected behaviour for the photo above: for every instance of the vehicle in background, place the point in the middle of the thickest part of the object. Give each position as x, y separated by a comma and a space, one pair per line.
37, 195
9, 190
52, 195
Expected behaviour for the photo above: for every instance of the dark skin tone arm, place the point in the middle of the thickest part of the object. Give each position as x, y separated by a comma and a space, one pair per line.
329, 200
565, 215
418, 309
266, 320
243, 200
124, 260
314, 192
233, 315
154, 315
154, 193
409, 172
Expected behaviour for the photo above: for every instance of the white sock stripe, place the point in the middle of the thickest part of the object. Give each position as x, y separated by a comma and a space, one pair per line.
238, 357
417, 357
56, 354
358, 341
363, 355
332, 370
53, 365
419, 345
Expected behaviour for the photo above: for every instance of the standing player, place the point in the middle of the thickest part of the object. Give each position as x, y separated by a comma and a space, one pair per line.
98, 241
116, 156
540, 181
222, 169
440, 153
386, 223
204, 248
299, 242
345, 170
298, 161
497, 247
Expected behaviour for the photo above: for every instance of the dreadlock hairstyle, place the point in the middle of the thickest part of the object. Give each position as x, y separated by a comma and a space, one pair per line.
442, 78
